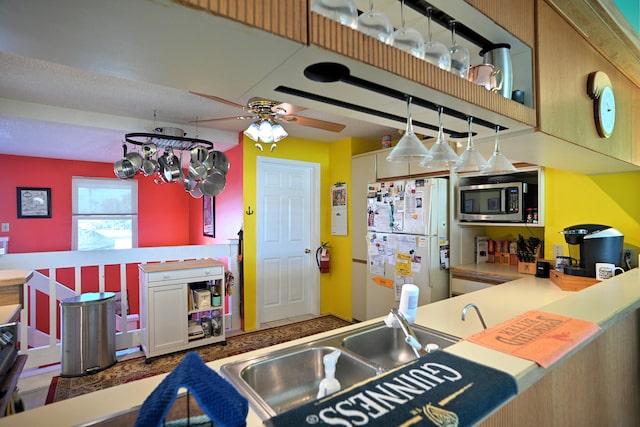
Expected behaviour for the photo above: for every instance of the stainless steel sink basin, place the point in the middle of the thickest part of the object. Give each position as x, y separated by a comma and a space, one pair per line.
288, 378
283, 380
387, 347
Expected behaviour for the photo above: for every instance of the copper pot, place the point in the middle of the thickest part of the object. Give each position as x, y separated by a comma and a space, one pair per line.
486, 75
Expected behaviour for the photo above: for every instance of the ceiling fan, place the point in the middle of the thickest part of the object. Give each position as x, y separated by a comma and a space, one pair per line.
264, 109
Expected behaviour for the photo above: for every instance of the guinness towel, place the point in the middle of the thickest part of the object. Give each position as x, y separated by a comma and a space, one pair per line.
438, 389
541, 337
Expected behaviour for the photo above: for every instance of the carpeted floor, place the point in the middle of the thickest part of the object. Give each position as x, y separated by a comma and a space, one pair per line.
136, 369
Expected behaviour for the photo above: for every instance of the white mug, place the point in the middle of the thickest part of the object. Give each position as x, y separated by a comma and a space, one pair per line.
605, 270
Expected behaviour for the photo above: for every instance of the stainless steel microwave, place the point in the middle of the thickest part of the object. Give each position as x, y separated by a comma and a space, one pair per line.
493, 202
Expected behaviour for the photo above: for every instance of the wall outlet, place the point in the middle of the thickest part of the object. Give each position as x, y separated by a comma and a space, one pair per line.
630, 255
5, 227
558, 250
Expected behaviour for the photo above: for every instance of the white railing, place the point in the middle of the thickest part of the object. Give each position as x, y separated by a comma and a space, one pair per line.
48, 263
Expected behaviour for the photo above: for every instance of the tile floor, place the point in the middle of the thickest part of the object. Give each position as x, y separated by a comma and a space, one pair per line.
33, 384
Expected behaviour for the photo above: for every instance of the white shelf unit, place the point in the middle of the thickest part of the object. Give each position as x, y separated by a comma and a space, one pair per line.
167, 310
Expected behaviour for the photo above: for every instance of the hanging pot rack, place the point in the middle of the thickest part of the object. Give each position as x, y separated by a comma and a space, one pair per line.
174, 142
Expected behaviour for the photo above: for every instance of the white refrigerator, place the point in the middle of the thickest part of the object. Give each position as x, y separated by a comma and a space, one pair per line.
407, 241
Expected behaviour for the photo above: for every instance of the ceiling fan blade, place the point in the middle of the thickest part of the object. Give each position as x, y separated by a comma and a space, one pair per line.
289, 108
313, 123
223, 118
220, 100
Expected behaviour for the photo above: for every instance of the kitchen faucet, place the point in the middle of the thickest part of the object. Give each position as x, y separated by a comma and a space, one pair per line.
410, 336
467, 307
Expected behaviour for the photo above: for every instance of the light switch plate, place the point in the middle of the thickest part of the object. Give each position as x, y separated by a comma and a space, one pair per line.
630, 254
5, 227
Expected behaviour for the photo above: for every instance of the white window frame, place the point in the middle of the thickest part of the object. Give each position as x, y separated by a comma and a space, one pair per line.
133, 215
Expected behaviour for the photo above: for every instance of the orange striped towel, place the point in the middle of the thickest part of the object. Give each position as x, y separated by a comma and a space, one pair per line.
535, 335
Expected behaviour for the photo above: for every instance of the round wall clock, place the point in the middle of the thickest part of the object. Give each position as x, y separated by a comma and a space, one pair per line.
604, 102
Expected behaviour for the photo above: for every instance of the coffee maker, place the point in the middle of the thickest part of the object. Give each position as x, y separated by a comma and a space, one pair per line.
589, 244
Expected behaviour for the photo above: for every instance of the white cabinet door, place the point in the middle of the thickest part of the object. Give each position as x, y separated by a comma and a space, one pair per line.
385, 169
359, 290
167, 318
363, 171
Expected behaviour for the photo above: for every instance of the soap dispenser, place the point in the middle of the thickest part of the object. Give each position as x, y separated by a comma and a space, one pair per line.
329, 384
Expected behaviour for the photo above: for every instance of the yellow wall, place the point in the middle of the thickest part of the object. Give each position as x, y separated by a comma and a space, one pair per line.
290, 149
335, 166
572, 199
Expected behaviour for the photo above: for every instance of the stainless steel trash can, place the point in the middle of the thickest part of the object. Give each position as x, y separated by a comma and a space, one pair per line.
88, 333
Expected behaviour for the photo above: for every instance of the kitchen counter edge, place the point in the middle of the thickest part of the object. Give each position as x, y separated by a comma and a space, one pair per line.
605, 304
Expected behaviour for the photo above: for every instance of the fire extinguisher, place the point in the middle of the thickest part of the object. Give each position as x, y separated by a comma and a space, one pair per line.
322, 257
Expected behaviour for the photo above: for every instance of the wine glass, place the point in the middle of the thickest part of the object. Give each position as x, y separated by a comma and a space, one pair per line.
375, 23
498, 162
460, 56
343, 11
435, 52
407, 38
409, 148
471, 160
442, 155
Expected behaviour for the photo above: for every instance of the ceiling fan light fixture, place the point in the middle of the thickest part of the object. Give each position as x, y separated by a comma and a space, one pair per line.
278, 133
265, 132
253, 132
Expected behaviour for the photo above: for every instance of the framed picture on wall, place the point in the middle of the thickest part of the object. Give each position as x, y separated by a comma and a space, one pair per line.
34, 202
209, 216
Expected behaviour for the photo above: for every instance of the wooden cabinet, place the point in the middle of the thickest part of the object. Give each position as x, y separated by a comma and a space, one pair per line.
177, 310
566, 59
517, 17
287, 18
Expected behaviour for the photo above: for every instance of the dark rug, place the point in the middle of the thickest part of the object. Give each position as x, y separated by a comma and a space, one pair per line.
135, 369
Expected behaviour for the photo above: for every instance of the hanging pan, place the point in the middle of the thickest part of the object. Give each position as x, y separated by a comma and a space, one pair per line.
221, 161
213, 184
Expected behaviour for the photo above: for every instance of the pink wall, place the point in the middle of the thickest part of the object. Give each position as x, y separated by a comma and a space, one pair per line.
228, 205
163, 218
167, 215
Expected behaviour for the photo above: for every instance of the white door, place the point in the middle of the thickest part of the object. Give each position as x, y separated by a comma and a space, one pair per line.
287, 236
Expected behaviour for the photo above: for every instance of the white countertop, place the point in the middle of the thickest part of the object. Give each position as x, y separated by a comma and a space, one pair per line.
603, 304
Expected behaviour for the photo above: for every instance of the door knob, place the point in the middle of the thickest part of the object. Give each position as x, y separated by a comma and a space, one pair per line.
307, 251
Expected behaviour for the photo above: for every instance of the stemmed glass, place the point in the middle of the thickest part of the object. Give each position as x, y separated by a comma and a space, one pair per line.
460, 56
442, 155
343, 11
409, 148
407, 38
498, 162
375, 23
434, 51
471, 160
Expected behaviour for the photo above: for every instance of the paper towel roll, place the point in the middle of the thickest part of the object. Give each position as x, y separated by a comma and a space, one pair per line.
409, 301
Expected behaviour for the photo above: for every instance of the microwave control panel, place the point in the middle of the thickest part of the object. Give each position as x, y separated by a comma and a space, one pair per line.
513, 200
